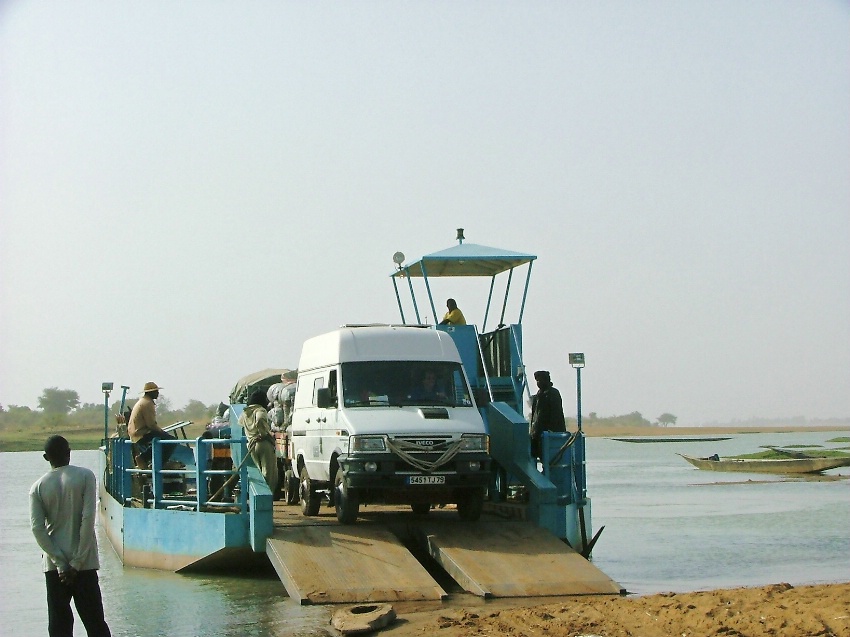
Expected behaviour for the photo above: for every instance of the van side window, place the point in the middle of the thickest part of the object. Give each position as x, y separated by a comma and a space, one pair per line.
332, 385
318, 383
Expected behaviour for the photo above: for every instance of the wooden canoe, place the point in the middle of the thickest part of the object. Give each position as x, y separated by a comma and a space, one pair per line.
783, 465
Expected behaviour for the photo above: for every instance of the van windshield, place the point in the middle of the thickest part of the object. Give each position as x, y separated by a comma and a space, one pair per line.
398, 383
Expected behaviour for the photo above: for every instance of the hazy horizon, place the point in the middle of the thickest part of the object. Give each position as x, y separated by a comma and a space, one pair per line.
190, 190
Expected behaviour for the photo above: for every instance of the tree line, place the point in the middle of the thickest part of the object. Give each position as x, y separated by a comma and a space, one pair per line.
59, 407
634, 419
62, 407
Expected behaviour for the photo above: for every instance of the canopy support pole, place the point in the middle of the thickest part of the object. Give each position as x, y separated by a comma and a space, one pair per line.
525, 292
489, 297
428, 289
398, 300
505, 302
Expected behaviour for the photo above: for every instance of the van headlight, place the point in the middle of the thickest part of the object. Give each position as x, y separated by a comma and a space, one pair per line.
367, 443
475, 442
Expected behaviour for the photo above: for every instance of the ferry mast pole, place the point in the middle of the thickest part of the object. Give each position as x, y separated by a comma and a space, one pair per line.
577, 361
106, 388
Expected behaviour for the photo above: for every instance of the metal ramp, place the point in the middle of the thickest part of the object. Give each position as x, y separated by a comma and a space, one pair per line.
512, 559
322, 564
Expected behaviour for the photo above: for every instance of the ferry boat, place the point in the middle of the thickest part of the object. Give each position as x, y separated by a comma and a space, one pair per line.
536, 541
172, 517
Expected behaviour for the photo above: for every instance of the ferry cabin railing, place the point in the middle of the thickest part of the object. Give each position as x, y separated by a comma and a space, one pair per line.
493, 363
121, 469
558, 493
421, 269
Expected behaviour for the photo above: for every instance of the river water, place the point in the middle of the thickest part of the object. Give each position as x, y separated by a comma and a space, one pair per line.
668, 527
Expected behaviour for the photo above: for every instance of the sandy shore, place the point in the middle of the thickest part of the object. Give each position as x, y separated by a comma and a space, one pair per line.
779, 610
649, 432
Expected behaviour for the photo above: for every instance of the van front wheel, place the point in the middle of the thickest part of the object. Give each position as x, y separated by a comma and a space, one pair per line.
309, 498
291, 486
347, 504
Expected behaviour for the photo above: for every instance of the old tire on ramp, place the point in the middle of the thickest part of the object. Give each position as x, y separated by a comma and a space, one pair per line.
363, 619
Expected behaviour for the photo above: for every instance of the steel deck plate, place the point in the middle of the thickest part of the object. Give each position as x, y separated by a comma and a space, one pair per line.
321, 564
512, 559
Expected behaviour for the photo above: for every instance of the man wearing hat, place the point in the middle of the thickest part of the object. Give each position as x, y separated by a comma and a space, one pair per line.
547, 411
142, 427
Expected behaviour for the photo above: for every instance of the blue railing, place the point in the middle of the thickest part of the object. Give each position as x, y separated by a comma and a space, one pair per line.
196, 478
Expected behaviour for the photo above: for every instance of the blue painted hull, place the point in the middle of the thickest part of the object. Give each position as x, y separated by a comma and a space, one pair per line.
178, 538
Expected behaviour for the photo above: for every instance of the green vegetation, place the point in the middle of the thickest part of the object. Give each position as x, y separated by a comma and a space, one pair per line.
634, 419
60, 412
667, 420
58, 401
32, 439
839, 439
775, 454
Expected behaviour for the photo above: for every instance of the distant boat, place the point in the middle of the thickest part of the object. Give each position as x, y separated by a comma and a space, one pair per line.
782, 465
669, 439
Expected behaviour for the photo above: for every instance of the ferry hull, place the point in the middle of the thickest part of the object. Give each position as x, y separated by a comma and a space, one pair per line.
171, 540
181, 537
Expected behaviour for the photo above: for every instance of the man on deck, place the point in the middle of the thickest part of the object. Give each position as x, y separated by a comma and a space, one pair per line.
547, 411
142, 427
454, 316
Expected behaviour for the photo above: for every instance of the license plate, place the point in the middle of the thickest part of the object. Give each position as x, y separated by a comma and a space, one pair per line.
426, 480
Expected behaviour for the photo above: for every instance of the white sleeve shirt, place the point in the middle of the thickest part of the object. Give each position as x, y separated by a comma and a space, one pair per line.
63, 506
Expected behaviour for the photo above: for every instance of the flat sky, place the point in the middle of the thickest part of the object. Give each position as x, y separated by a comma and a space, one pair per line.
188, 190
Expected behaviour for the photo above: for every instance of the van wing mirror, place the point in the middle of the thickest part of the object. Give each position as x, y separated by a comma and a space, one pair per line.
324, 398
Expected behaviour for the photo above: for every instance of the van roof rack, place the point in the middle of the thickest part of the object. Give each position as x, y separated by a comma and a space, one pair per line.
355, 325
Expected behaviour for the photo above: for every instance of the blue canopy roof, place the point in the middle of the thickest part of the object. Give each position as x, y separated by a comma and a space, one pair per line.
465, 259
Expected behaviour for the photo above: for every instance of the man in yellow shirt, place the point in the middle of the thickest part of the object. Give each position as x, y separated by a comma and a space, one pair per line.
454, 316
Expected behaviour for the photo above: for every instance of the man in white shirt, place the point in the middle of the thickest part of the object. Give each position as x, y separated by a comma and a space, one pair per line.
62, 515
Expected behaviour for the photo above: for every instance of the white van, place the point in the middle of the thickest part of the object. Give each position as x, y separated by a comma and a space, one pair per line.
384, 414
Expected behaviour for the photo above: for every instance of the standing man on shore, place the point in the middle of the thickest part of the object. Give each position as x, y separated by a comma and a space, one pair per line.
63, 503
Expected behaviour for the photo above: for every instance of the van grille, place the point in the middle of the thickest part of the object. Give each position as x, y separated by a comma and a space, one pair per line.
426, 445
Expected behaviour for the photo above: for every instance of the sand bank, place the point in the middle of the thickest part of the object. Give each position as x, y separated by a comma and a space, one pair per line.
776, 610
648, 432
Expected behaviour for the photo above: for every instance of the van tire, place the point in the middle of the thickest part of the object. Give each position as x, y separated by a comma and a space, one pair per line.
290, 487
346, 503
309, 498
470, 504
420, 508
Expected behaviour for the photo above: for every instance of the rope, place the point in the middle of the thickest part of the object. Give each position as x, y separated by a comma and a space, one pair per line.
569, 443
402, 447
233, 478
